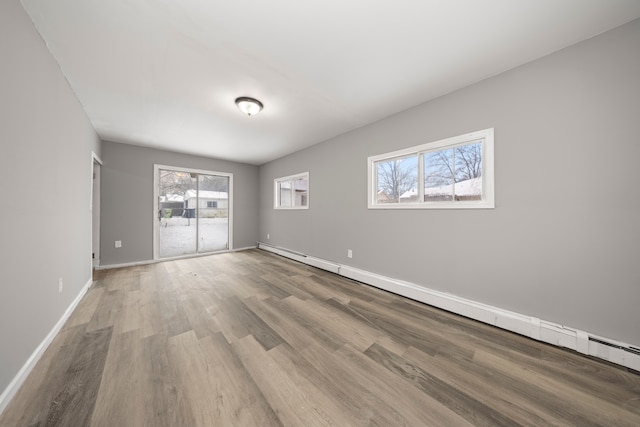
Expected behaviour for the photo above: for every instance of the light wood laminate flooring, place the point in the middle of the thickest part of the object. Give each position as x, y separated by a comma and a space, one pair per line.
253, 339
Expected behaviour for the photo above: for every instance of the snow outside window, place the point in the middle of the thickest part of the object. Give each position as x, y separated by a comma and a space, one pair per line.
454, 173
292, 192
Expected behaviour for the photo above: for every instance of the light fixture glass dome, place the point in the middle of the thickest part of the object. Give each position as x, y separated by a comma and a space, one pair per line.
249, 106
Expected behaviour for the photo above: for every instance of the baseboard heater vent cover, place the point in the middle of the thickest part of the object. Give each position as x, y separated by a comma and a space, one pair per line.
629, 349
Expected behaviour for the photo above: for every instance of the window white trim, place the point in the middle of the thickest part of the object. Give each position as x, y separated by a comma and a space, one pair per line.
277, 202
487, 201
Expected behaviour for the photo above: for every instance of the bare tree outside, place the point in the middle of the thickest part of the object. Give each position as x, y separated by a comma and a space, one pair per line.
396, 177
449, 175
175, 182
445, 169
439, 170
178, 183
214, 183
453, 165
448, 171
468, 161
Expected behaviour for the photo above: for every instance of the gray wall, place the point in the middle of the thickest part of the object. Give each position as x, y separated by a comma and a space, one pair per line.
562, 243
45, 191
127, 199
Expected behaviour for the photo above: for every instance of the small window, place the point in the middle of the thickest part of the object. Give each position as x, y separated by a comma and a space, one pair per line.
212, 203
292, 192
452, 173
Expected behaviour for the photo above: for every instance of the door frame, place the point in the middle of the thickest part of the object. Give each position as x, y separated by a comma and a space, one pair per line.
156, 224
94, 208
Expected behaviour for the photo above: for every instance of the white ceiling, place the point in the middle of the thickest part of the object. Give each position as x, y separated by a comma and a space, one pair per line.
165, 73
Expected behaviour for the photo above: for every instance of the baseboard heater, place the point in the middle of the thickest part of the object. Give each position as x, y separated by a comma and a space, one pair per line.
628, 349
279, 249
532, 327
301, 257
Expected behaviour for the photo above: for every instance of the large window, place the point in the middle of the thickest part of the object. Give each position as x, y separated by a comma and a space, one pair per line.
448, 174
292, 192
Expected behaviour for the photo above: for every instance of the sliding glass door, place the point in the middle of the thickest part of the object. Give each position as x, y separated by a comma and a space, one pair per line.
213, 213
193, 209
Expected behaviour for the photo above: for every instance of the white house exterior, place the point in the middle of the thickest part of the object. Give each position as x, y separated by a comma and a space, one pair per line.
469, 189
206, 199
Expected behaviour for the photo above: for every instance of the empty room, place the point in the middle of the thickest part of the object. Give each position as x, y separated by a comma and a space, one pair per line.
356, 213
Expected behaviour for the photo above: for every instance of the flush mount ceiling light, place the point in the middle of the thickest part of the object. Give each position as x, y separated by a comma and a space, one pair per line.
249, 106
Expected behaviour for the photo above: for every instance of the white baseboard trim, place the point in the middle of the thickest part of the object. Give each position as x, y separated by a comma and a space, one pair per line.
26, 369
246, 248
155, 261
580, 341
129, 264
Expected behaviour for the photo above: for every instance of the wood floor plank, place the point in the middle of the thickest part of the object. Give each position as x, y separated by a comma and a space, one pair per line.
334, 323
323, 392
254, 339
107, 311
85, 311
211, 394
286, 284
262, 285
124, 384
411, 334
131, 315
165, 402
201, 313
175, 319
236, 389
343, 289
284, 322
293, 406
30, 405
473, 410
239, 321
281, 267
581, 406
313, 329
381, 397
511, 395
589, 374
75, 397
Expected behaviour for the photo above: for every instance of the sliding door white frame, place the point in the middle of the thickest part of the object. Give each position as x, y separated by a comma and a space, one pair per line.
156, 225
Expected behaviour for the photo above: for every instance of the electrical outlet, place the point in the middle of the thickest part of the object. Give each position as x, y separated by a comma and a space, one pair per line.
118, 243
268, 236
349, 253
60, 285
